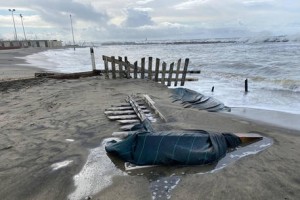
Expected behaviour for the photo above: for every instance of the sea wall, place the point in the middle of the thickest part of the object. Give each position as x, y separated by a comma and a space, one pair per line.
29, 43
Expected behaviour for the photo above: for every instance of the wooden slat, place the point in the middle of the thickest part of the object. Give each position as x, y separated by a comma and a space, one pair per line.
106, 69
123, 108
128, 127
156, 69
142, 68
177, 72
122, 134
129, 121
164, 66
135, 70
113, 67
122, 117
127, 104
122, 112
138, 111
150, 68
120, 67
186, 64
170, 74
127, 68
248, 137
151, 103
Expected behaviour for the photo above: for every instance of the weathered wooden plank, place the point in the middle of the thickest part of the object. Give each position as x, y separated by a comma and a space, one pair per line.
164, 66
106, 69
170, 74
128, 127
142, 68
186, 64
127, 104
150, 68
127, 65
157, 69
120, 67
122, 117
177, 72
122, 112
151, 103
138, 111
123, 108
129, 121
135, 70
113, 67
122, 134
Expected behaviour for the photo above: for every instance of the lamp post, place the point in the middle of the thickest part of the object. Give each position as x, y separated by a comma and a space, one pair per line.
72, 32
23, 26
12, 14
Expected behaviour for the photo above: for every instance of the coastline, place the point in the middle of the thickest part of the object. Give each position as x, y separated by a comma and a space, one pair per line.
44, 122
14, 66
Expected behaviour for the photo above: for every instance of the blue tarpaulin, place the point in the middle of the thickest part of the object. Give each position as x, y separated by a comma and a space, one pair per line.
188, 147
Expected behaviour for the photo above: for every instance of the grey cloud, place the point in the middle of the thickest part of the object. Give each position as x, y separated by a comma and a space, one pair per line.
54, 11
137, 18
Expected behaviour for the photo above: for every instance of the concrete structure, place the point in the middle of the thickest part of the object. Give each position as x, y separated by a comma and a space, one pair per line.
30, 43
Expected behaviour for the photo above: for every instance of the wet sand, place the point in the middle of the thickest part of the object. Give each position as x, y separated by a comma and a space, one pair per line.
47, 128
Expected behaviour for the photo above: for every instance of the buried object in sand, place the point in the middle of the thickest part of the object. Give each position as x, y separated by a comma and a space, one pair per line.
186, 147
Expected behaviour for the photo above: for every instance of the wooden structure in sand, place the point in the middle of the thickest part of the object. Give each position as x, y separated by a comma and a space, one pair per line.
160, 72
122, 68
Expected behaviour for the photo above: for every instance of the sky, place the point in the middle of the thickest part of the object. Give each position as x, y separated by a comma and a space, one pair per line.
125, 20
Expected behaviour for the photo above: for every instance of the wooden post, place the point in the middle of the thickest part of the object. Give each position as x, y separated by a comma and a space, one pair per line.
113, 67
150, 68
93, 59
126, 60
157, 69
142, 68
106, 68
246, 85
127, 66
164, 66
213, 89
135, 70
186, 64
170, 74
177, 71
120, 67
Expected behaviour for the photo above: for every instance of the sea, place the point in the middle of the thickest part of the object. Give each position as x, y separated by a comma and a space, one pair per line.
271, 66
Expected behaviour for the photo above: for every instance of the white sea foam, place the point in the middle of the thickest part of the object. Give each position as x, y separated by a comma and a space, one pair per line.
62, 164
96, 174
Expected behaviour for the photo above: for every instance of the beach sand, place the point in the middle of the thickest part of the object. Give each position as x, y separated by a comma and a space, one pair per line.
44, 122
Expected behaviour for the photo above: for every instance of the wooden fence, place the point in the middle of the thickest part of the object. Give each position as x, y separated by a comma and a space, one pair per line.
122, 68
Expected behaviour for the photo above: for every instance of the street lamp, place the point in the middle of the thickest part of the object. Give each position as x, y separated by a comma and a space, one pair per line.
23, 26
12, 14
72, 32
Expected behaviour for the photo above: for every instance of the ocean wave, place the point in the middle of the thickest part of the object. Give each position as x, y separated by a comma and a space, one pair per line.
256, 39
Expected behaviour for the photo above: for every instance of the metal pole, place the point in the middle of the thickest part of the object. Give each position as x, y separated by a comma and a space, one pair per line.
12, 14
72, 32
23, 26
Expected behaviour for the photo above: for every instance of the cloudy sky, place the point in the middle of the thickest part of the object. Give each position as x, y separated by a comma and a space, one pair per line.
106, 20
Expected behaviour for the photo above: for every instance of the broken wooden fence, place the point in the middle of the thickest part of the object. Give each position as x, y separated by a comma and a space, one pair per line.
159, 73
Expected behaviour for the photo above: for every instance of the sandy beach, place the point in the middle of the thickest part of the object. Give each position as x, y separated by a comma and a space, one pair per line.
46, 122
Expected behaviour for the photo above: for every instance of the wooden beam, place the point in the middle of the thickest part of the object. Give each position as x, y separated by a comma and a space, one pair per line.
113, 67
177, 72
186, 64
156, 69
170, 74
117, 117
150, 68
142, 68
151, 103
164, 66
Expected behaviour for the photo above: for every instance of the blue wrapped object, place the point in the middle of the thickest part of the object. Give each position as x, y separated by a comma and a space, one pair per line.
196, 147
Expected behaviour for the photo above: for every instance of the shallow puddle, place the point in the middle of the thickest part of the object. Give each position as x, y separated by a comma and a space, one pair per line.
99, 170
